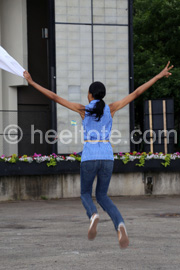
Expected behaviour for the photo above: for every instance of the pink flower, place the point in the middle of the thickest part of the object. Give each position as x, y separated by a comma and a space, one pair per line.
3, 156
36, 155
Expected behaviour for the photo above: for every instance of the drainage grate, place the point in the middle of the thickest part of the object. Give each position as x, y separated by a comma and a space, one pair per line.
169, 215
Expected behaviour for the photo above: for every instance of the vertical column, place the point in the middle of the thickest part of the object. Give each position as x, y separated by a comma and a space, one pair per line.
14, 40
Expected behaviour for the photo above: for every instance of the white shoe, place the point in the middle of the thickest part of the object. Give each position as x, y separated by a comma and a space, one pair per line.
123, 236
93, 225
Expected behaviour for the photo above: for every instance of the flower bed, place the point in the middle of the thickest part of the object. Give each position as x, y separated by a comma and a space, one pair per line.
54, 159
58, 164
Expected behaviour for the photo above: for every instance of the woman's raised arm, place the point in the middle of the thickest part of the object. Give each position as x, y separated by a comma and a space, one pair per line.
70, 105
117, 105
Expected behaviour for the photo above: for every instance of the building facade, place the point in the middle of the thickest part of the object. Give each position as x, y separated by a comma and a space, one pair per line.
66, 45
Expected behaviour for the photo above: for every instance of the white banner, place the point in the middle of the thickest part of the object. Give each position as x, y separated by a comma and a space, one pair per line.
9, 64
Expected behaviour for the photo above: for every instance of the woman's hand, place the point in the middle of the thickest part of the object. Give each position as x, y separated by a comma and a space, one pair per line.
165, 72
27, 76
117, 105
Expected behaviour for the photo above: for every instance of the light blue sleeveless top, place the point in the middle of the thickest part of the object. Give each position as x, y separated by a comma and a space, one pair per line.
97, 130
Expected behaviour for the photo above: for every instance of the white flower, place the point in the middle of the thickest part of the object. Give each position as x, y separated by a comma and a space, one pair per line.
70, 158
60, 158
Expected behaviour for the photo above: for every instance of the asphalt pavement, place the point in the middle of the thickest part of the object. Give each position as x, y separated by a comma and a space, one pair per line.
52, 235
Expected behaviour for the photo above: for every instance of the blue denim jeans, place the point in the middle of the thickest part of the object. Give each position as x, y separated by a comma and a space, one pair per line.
103, 169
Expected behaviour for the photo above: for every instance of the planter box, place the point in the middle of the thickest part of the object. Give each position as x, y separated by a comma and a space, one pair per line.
34, 168
73, 167
153, 165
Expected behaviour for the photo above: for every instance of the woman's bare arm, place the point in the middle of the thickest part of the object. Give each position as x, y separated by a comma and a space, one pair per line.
70, 105
117, 105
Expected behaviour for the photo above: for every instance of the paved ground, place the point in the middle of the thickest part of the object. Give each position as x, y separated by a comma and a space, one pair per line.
53, 235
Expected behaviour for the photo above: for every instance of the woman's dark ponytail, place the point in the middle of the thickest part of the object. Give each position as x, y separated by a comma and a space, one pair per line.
98, 91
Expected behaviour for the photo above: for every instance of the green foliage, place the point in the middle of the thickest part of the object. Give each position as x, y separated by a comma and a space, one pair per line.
126, 158
76, 157
167, 160
142, 160
25, 158
13, 159
52, 162
157, 40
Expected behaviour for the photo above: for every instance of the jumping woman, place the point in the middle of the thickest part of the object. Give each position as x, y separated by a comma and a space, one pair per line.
97, 156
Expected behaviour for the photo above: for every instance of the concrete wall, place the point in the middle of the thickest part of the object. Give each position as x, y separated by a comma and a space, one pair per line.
166, 183
68, 186
91, 39
13, 37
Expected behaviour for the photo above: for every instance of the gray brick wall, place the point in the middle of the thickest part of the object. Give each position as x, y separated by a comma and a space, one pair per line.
78, 63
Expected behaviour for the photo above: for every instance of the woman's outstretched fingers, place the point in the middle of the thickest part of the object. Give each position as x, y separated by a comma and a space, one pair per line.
166, 70
170, 67
168, 64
